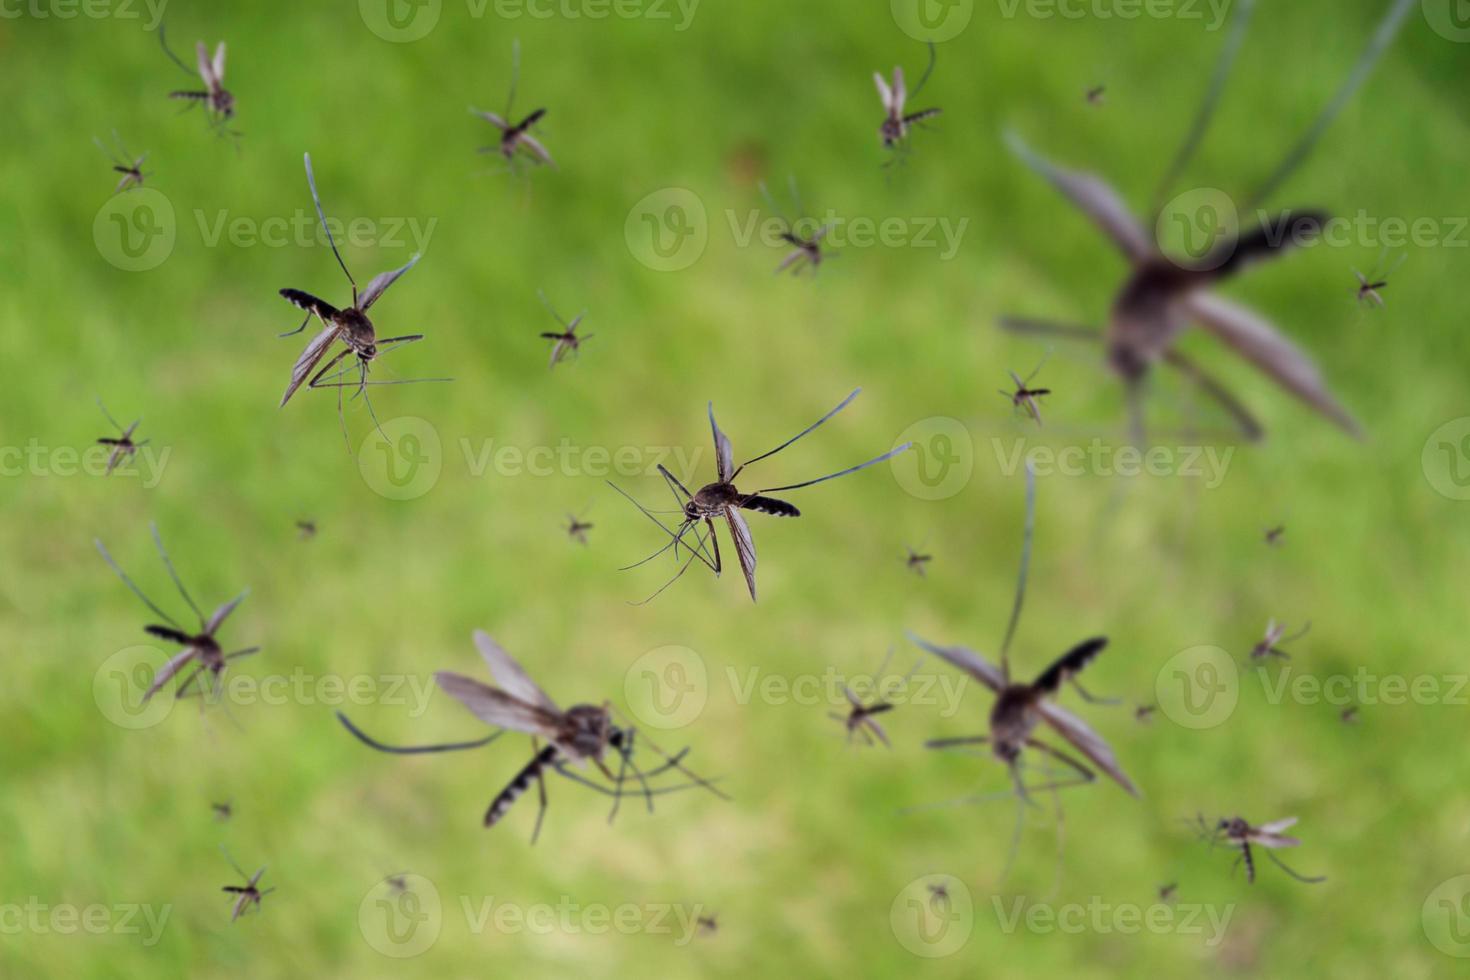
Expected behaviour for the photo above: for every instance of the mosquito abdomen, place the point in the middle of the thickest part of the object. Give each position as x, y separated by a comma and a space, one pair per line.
519, 785
770, 505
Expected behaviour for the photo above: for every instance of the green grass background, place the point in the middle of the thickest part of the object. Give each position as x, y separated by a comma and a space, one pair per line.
804, 866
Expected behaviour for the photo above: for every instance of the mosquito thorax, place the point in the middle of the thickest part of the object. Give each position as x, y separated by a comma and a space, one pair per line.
588, 730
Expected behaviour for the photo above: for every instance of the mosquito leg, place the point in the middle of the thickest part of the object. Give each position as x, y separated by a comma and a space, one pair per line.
1046, 328
242, 653
618, 782
540, 793
292, 333
168, 563
1299, 877
1092, 698
190, 680
373, 743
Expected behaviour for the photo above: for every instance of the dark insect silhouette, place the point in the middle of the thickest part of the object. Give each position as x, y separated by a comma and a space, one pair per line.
1349, 715
122, 445
1371, 286
247, 894
860, 720
722, 500
897, 120
1095, 95
807, 251
1275, 534
917, 562
515, 137
306, 530
708, 924
217, 100
1025, 398
199, 648
1167, 892
1271, 644
1238, 833
577, 529
565, 341
222, 811
125, 163
1144, 713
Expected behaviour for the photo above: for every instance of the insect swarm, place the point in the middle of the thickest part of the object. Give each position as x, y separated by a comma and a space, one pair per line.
515, 137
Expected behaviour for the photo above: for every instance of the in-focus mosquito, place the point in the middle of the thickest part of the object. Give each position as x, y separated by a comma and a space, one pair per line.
1238, 833
859, 719
123, 162
807, 249
122, 445
350, 325
200, 648
223, 811
1095, 95
1370, 286
515, 137
564, 342
1271, 644
1024, 398
721, 499
579, 735
896, 119
1275, 534
917, 562
1162, 298
216, 99
305, 530
577, 528
247, 894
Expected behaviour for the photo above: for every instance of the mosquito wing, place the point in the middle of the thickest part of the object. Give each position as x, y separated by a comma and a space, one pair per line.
308, 360
967, 660
223, 612
724, 455
744, 546
1271, 834
219, 64
1095, 198
496, 707
167, 672
510, 675
884, 92
533, 145
492, 119
381, 282
877, 730
1086, 741
206, 68
900, 91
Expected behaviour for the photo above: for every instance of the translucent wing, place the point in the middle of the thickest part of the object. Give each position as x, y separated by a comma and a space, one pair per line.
1276, 826
308, 360
510, 675
223, 612
167, 672
1086, 741
492, 119
724, 455
381, 282
877, 730
744, 546
1095, 198
206, 69
537, 150
900, 90
884, 92
495, 707
219, 62
967, 660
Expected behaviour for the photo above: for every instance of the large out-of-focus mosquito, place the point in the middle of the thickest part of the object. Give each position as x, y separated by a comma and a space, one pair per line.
122, 444
1275, 639
350, 325
859, 719
576, 736
123, 162
722, 499
217, 100
566, 341
807, 249
1238, 833
247, 894
1371, 286
199, 647
1025, 398
896, 119
515, 137
1161, 298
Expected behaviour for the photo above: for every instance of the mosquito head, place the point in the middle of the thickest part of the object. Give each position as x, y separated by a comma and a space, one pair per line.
589, 729
224, 104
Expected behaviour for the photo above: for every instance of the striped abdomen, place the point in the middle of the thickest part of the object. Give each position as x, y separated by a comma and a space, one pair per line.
519, 785
769, 505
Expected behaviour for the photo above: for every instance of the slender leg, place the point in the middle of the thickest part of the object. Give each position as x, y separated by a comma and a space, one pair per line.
414, 749
540, 793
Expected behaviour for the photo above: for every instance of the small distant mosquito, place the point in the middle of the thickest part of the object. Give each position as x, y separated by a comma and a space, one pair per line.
1166, 892
1095, 95
247, 894
219, 103
305, 530
1144, 713
577, 529
938, 892
222, 811
896, 121
200, 647
1236, 832
515, 137
917, 562
579, 735
708, 924
808, 252
721, 499
125, 163
1370, 286
1025, 398
123, 446
566, 341
1275, 534
859, 719
398, 884
350, 325
1271, 644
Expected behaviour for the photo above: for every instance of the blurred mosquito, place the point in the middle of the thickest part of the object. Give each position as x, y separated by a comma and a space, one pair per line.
305, 530
1095, 95
247, 894
917, 562
1271, 644
721, 499
896, 120
1236, 832
200, 648
1021, 706
579, 735
567, 341
1144, 713
859, 719
1162, 298
1166, 892
123, 446
708, 924
577, 528
217, 101
350, 325
123, 162
1025, 398
222, 811
938, 892
515, 137
808, 252
1274, 534
1370, 286
1349, 715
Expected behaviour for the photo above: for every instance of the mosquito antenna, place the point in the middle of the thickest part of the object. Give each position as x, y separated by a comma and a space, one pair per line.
1037, 369
672, 544
552, 310
851, 469
933, 57
111, 154
647, 513
1382, 38
771, 203
803, 432
108, 414
168, 563
238, 870
316, 199
1026, 535
1298, 876
171, 56
1207, 108
515, 77
693, 553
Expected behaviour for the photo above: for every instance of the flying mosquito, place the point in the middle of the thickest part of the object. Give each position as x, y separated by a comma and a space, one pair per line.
247, 894
1095, 95
917, 562
584, 733
305, 530
1271, 644
807, 249
1236, 832
515, 137
708, 924
859, 719
1025, 398
1161, 298
216, 99
1020, 706
1275, 534
566, 341
897, 121
123, 162
223, 811
721, 499
1167, 892
1370, 286
350, 325
200, 648
1349, 715
1144, 713
577, 529
123, 446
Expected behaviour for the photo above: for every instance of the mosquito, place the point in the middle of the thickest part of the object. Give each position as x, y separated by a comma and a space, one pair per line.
1167, 892
247, 894
217, 100
125, 163
200, 648
1271, 644
721, 499
123, 446
515, 137
1020, 706
1095, 95
1025, 398
859, 719
708, 924
577, 529
807, 249
350, 325
917, 562
1275, 534
1349, 715
1143, 714
566, 341
223, 811
1370, 286
1161, 299
896, 121
1237, 832
305, 530
582, 734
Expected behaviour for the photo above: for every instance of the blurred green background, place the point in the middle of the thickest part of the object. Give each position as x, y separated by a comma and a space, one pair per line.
812, 869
